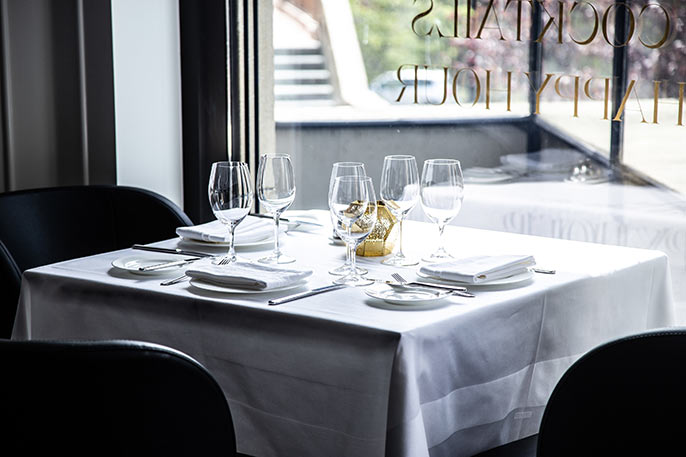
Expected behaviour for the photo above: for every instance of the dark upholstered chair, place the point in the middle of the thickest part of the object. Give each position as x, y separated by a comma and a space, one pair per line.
525, 447
115, 398
10, 280
43, 226
626, 397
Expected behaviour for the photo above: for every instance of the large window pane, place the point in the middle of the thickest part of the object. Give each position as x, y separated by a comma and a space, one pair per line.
576, 78
655, 127
345, 79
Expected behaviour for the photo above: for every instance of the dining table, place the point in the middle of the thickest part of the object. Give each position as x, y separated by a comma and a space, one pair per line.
345, 374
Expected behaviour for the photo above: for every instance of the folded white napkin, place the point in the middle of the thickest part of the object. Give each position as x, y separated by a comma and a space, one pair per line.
250, 230
245, 275
474, 270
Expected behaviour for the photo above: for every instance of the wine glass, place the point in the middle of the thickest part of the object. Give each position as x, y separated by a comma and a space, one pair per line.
230, 193
442, 191
345, 169
276, 192
353, 204
400, 193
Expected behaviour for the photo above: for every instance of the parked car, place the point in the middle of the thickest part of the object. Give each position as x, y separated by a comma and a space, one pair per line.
430, 86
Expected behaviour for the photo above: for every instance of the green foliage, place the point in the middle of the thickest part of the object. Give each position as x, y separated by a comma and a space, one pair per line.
384, 30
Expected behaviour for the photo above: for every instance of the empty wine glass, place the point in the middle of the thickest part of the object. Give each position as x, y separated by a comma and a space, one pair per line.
353, 204
345, 169
442, 191
400, 193
276, 192
230, 194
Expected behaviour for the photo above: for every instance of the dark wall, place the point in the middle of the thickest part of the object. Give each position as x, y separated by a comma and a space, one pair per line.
57, 93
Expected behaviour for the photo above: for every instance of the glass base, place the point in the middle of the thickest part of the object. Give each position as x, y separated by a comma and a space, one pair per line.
354, 281
440, 255
400, 261
276, 259
345, 269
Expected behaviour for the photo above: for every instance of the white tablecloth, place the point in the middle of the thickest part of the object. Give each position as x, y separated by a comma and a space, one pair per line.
335, 375
643, 217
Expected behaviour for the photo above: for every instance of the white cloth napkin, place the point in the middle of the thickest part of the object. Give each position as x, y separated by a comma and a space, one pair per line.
474, 270
245, 275
250, 230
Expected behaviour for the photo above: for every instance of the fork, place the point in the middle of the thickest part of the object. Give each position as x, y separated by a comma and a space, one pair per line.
223, 261
460, 291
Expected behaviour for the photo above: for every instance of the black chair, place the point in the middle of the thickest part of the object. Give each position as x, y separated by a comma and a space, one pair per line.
626, 397
526, 447
114, 398
10, 280
44, 226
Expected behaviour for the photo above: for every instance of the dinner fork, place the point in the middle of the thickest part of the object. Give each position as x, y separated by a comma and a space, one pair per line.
460, 291
184, 277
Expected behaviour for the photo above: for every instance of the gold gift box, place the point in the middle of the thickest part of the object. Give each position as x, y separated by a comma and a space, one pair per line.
381, 240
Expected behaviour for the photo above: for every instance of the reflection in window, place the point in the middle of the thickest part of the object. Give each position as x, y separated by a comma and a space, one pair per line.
360, 79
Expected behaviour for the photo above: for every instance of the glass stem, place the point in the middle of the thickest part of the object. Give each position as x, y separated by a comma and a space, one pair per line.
441, 241
347, 254
351, 248
277, 249
400, 238
232, 251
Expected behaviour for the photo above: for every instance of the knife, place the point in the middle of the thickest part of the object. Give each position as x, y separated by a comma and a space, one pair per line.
423, 284
170, 251
309, 293
160, 266
291, 221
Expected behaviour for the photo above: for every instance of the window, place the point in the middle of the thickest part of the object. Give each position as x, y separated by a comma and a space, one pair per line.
567, 115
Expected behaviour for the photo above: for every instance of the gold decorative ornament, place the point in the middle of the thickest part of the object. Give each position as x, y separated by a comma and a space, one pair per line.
383, 236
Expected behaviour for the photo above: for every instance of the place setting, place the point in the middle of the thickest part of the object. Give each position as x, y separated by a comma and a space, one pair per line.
206, 256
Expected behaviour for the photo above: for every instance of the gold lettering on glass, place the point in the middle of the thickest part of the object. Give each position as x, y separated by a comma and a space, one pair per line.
596, 24
632, 25
477, 82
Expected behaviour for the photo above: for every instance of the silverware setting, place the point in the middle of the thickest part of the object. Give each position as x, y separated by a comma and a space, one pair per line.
543, 271
174, 281
185, 277
309, 293
456, 290
289, 220
175, 263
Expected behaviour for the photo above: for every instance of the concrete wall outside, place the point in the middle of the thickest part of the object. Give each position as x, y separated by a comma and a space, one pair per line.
315, 149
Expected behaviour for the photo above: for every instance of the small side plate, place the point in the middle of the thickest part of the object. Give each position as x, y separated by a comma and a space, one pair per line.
132, 263
409, 296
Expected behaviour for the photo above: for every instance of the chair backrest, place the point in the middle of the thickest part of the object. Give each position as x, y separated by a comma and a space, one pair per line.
10, 281
115, 398
44, 226
626, 397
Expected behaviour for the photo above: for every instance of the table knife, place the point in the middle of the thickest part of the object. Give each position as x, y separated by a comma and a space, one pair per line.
543, 271
141, 247
175, 263
309, 293
423, 284
287, 220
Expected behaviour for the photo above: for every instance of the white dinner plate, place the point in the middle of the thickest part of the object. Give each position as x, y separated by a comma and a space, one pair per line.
514, 279
132, 263
232, 290
265, 242
478, 175
411, 296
